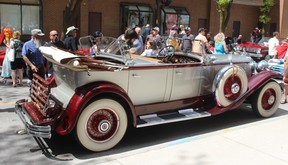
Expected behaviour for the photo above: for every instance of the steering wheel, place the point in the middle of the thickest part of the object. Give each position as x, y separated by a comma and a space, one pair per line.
167, 52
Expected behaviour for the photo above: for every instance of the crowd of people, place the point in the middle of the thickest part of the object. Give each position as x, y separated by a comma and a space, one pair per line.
181, 39
144, 41
27, 55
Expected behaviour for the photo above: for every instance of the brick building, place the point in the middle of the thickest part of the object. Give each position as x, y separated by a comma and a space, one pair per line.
113, 16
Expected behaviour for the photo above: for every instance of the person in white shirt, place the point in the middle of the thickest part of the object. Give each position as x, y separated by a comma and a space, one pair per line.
197, 48
272, 44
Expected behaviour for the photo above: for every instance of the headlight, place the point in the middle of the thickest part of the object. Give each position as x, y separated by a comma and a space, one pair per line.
258, 51
262, 65
253, 65
239, 48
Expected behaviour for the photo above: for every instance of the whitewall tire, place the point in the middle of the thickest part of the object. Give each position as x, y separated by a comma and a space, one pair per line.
231, 86
101, 125
266, 100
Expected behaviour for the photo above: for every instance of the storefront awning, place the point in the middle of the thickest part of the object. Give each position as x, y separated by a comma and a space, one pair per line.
175, 10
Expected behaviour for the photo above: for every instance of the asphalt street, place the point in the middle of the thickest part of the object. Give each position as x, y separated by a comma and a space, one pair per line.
235, 137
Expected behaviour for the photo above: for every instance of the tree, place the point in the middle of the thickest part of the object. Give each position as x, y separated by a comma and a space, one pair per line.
265, 10
71, 13
223, 7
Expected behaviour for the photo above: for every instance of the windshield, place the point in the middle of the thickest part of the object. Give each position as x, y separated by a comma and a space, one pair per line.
263, 40
114, 48
101, 42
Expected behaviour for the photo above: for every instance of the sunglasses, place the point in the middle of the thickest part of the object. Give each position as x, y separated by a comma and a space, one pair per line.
54, 35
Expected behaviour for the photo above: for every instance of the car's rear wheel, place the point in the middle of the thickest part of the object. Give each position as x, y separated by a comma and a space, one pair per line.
266, 100
231, 85
101, 125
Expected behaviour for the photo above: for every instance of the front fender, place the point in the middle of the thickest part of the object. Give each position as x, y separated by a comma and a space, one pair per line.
82, 97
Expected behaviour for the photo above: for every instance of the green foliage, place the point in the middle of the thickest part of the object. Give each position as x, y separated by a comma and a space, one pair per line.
223, 7
264, 19
265, 9
267, 5
223, 2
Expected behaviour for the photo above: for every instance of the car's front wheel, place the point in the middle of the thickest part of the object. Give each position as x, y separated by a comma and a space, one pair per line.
101, 125
266, 100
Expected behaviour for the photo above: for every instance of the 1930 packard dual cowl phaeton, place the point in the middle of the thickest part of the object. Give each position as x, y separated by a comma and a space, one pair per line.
98, 97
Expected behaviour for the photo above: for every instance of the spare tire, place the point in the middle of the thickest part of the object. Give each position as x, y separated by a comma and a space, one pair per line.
230, 83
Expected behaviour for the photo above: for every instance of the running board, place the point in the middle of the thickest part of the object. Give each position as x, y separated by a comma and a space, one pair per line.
180, 115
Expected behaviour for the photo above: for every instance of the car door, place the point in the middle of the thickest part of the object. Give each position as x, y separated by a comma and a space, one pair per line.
186, 81
149, 85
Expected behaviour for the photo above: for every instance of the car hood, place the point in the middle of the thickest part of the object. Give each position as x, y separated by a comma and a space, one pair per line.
252, 45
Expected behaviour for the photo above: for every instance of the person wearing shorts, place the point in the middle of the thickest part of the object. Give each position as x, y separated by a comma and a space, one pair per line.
18, 64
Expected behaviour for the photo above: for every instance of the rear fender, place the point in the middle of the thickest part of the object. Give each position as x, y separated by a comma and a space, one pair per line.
82, 97
254, 83
260, 79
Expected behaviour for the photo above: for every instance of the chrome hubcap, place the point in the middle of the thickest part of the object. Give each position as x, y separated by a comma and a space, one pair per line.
104, 126
271, 100
235, 88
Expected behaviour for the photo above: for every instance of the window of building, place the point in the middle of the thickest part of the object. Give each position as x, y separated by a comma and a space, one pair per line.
135, 15
173, 16
22, 15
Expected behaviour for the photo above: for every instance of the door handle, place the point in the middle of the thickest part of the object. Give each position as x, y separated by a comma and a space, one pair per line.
179, 73
136, 75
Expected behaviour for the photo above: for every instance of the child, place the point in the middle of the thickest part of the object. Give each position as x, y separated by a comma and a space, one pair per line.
211, 47
151, 49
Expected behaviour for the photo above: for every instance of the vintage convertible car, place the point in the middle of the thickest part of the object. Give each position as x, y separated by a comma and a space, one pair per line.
257, 51
97, 98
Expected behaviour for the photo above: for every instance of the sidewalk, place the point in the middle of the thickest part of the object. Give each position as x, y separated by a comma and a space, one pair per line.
263, 142
9, 94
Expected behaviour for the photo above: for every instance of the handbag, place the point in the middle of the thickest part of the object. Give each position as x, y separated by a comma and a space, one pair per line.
11, 55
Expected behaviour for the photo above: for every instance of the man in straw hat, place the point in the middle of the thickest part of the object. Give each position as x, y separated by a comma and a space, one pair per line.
70, 40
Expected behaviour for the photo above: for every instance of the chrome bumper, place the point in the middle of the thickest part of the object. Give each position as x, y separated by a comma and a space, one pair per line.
34, 130
255, 55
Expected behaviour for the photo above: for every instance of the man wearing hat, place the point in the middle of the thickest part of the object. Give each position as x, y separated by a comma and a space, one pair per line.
70, 40
32, 55
187, 40
154, 36
197, 47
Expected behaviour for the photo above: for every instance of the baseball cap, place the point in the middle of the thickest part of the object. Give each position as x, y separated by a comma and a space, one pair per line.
201, 30
187, 29
37, 32
156, 28
70, 29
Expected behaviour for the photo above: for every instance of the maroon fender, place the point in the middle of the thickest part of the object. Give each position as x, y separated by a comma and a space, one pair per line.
80, 99
254, 83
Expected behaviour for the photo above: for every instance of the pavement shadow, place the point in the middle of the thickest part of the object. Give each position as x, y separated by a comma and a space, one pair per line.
7, 110
150, 136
